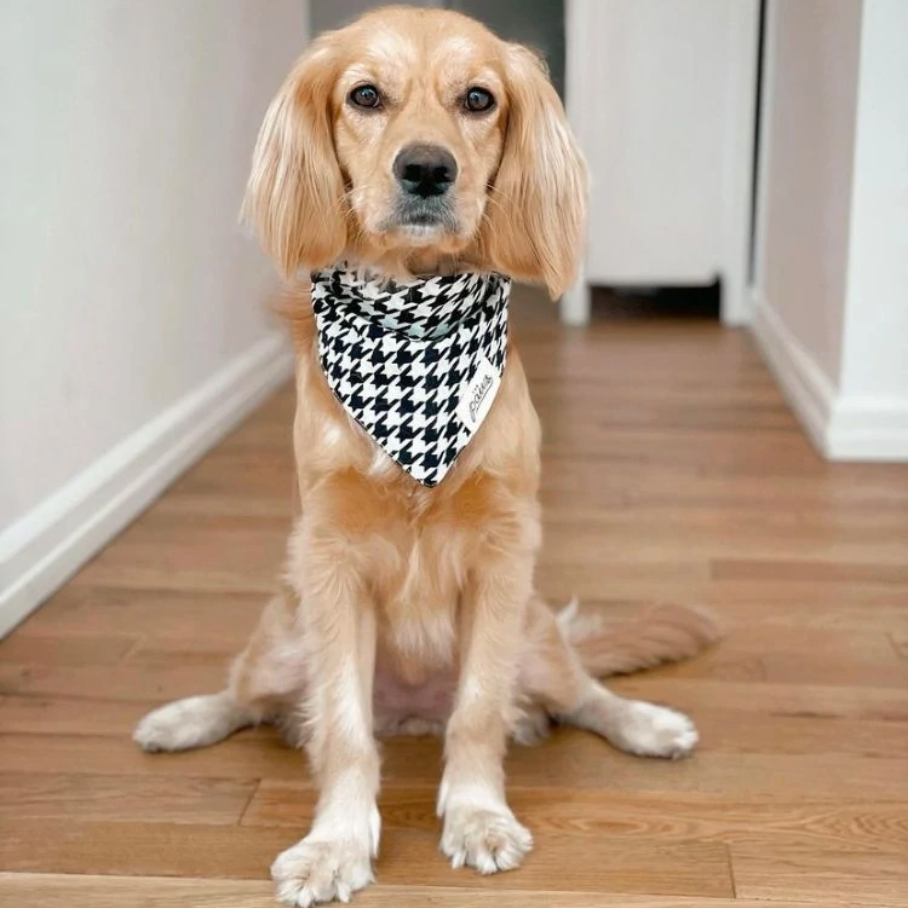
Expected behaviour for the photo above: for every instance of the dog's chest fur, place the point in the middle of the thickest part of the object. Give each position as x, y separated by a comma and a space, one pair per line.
418, 597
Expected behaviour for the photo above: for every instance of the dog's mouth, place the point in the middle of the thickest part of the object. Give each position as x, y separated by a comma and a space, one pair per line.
422, 219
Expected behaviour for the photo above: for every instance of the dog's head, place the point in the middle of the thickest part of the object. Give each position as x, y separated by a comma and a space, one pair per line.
414, 133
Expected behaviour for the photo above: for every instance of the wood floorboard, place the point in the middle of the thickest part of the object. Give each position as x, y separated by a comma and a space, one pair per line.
409, 857
53, 649
30, 890
812, 875
860, 826
61, 797
674, 472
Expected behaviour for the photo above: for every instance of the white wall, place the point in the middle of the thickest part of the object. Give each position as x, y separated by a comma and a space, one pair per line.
133, 327
811, 94
832, 264
876, 350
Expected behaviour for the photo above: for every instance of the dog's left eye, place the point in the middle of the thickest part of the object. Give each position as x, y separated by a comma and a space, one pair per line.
366, 96
478, 100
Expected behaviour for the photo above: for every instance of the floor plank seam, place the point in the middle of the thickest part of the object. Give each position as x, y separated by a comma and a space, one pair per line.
77, 698
248, 804
731, 871
137, 644
899, 654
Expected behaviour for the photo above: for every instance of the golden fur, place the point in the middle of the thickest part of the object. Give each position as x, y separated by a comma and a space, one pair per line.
426, 593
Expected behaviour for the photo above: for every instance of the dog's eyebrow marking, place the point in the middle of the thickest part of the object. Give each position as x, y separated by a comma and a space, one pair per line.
456, 75
487, 76
361, 72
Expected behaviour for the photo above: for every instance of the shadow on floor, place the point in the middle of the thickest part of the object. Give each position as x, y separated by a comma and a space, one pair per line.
531, 305
669, 302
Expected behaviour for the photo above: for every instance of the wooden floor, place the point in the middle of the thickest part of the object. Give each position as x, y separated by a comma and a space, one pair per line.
673, 471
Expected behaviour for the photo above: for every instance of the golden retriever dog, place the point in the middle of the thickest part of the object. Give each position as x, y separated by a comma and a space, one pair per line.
412, 143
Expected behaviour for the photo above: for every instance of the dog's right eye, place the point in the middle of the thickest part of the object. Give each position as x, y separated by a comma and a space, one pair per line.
366, 97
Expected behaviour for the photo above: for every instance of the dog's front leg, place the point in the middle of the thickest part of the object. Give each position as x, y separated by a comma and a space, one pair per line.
479, 828
335, 858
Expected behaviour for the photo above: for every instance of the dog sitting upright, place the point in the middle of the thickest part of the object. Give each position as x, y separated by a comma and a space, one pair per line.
412, 164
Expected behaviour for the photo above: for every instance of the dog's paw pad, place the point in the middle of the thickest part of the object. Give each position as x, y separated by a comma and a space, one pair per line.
487, 840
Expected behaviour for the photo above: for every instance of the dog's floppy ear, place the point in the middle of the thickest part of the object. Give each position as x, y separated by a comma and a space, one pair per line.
535, 218
295, 194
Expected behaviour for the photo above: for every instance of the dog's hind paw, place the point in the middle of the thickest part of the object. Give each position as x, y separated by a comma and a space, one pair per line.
654, 731
189, 723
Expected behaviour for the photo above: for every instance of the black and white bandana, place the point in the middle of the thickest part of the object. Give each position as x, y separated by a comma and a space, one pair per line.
416, 364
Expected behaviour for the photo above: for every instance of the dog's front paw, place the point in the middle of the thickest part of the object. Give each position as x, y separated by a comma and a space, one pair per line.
314, 871
488, 840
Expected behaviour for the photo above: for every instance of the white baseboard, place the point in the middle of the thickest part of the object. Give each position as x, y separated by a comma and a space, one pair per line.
869, 428
43, 549
841, 427
808, 389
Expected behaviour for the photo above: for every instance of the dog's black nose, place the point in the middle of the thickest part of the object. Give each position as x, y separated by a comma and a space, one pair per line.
425, 170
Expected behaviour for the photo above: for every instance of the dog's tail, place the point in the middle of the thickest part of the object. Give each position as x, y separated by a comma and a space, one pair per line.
664, 633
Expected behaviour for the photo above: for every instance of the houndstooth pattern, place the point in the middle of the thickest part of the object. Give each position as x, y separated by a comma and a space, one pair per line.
400, 357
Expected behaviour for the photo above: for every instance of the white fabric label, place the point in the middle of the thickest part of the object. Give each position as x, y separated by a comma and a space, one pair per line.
476, 400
